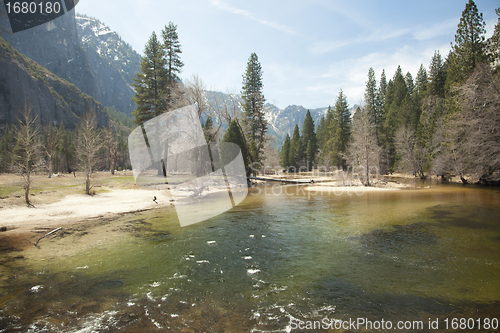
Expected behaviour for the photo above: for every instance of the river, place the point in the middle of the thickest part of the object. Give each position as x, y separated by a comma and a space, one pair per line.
276, 263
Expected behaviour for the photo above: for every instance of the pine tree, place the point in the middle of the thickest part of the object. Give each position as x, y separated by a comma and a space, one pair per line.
285, 153
371, 98
321, 130
234, 135
253, 107
295, 148
208, 130
67, 149
494, 42
381, 101
437, 76
469, 47
339, 131
381, 92
410, 85
150, 83
309, 142
399, 109
421, 81
173, 63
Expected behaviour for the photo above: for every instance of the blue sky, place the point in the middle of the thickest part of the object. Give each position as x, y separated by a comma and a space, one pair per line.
308, 50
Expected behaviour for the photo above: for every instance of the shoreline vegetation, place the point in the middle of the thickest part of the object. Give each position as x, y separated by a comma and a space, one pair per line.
61, 201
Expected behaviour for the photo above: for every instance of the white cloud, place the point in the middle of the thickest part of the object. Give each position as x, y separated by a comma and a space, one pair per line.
378, 35
275, 25
351, 75
490, 27
442, 28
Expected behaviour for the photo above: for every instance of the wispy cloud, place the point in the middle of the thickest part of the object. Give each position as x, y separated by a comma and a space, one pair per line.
378, 35
439, 29
275, 25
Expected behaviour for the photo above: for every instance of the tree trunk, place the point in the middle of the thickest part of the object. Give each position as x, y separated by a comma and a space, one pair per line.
367, 168
87, 183
111, 164
27, 191
50, 166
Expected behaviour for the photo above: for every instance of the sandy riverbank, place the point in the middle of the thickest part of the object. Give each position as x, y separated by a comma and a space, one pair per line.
79, 207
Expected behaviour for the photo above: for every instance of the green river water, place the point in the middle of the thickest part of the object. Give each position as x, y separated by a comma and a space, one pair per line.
278, 258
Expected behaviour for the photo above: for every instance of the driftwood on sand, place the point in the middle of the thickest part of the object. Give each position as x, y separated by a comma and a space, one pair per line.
50, 233
283, 180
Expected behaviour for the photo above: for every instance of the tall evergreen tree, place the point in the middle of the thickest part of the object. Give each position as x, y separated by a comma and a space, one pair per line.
234, 135
173, 63
371, 98
67, 150
494, 47
469, 47
421, 81
285, 153
410, 85
150, 82
400, 109
253, 107
381, 92
295, 148
339, 131
309, 142
437, 76
321, 131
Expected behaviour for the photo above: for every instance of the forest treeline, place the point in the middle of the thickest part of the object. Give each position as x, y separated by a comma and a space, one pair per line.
444, 122
27, 147
57, 146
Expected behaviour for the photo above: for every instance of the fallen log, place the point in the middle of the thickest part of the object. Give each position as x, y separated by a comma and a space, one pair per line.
283, 180
50, 233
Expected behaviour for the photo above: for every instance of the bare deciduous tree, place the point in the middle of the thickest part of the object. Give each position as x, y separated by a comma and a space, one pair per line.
52, 138
88, 146
411, 154
363, 150
26, 158
471, 134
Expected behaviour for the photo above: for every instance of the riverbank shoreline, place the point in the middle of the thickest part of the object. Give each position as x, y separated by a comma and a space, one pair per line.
60, 203
79, 207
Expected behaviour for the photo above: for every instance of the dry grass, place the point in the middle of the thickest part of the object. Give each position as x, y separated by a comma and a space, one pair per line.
46, 190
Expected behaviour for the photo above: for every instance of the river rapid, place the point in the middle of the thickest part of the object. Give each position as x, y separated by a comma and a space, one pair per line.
283, 259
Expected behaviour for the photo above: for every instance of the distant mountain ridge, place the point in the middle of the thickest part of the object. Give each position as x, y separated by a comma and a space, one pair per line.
56, 46
87, 53
280, 121
114, 62
53, 100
